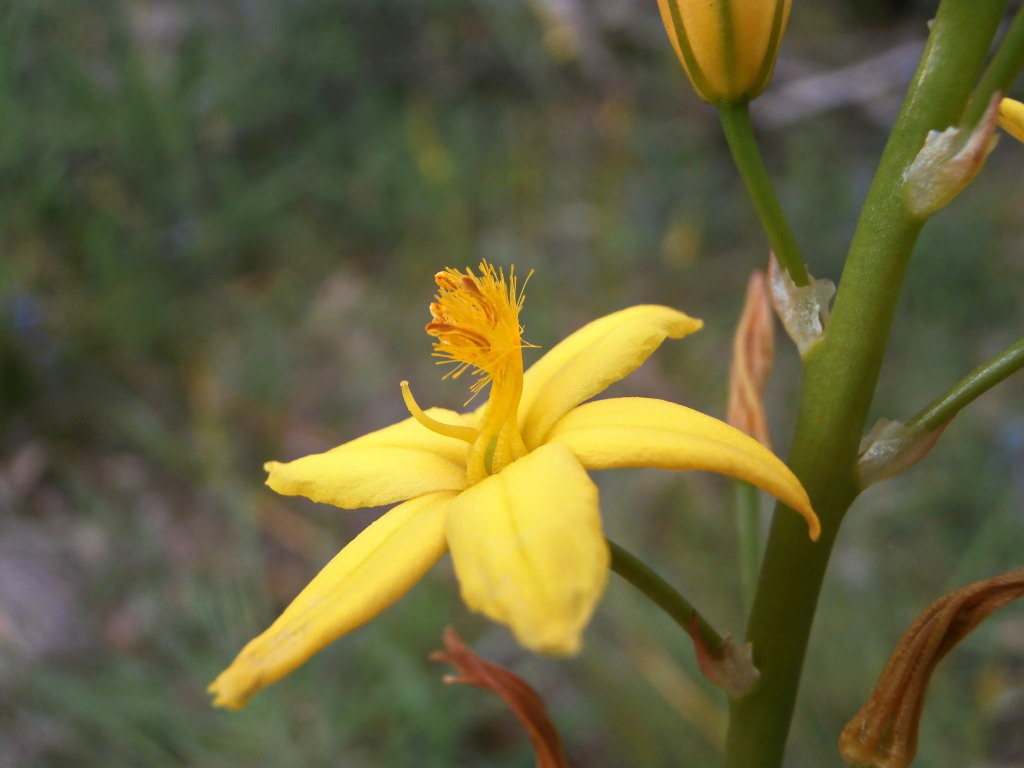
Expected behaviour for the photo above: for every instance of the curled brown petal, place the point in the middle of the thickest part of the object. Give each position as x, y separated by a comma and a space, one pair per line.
752, 352
521, 698
883, 734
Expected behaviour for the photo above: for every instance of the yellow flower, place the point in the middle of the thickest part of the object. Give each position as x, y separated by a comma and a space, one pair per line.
1011, 118
504, 488
727, 47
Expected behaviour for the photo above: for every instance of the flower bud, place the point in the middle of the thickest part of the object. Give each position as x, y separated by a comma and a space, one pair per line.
1011, 118
727, 47
753, 349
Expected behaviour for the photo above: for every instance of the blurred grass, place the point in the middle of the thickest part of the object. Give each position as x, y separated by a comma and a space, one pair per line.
220, 221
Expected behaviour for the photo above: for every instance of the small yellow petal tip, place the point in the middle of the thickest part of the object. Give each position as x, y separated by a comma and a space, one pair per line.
677, 324
1011, 118
805, 510
813, 524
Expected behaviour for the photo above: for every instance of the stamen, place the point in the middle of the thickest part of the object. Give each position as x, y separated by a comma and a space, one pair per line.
445, 280
470, 284
448, 430
447, 330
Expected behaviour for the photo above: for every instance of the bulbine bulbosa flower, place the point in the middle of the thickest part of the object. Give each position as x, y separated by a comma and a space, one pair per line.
504, 488
727, 47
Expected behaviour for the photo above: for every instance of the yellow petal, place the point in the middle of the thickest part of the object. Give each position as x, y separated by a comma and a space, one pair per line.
592, 358
392, 464
409, 433
641, 432
374, 570
528, 549
1011, 118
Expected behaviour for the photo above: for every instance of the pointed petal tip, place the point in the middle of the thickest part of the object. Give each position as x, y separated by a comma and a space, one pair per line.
677, 324
802, 507
813, 525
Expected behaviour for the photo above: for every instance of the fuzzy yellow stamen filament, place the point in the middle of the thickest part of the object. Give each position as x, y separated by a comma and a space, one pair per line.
475, 321
448, 430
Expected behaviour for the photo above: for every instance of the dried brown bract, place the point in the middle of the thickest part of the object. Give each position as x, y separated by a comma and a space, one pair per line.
883, 734
521, 698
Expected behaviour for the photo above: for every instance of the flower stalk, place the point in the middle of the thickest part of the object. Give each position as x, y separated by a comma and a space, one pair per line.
1005, 65
662, 594
972, 386
739, 133
721, 660
840, 375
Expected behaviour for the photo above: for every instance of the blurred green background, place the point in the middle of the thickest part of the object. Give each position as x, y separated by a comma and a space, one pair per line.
220, 220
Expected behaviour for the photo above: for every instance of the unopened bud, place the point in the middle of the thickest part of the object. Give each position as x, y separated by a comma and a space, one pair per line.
727, 47
1011, 118
948, 162
753, 348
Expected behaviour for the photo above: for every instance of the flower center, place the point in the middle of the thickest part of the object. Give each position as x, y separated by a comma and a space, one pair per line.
475, 319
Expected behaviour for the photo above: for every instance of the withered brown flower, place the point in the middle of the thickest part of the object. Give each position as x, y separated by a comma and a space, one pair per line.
883, 734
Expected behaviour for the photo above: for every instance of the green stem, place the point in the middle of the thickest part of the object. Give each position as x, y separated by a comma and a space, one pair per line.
662, 594
1006, 63
840, 376
740, 135
968, 389
749, 536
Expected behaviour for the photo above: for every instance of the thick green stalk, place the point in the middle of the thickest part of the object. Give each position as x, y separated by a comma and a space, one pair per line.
740, 135
840, 375
748, 536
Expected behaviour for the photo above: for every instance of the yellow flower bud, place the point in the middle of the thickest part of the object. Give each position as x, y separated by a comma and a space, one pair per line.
727, 47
